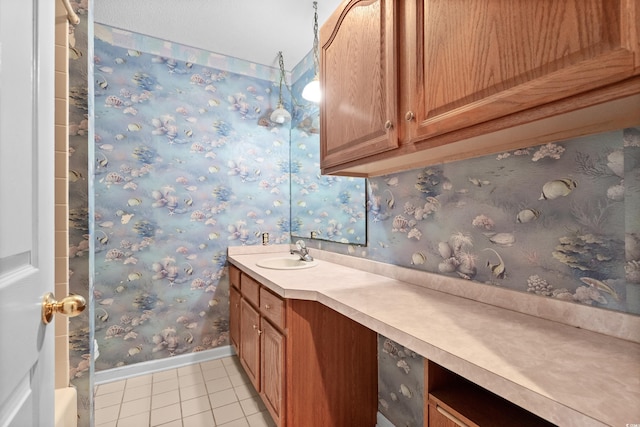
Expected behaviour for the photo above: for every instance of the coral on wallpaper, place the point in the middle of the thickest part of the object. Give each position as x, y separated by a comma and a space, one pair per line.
187, 163
559, 220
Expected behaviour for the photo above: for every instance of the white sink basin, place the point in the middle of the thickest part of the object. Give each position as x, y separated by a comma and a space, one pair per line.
286, 263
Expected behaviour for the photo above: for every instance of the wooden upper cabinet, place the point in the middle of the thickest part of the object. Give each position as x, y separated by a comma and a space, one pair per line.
358, 77
458, 79
481, 60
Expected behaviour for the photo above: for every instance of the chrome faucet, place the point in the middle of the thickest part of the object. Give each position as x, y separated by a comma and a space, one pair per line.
302, 251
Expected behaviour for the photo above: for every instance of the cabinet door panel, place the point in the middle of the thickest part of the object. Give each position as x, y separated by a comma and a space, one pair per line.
487, 59
250, 342
358, 76
273, 356
234, 318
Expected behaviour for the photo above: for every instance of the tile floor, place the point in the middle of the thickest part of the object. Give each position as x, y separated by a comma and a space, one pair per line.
213, 393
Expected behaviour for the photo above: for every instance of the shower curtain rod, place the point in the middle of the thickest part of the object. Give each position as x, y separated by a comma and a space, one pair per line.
71, 14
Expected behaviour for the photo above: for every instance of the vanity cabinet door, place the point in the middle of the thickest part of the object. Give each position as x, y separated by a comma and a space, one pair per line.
250, 342
358, 79
480, 60
234, 318
273, 379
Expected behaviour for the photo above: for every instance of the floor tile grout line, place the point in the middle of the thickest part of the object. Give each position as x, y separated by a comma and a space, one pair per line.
232, 371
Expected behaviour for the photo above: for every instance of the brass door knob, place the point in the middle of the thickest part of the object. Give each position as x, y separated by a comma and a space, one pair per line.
70, 306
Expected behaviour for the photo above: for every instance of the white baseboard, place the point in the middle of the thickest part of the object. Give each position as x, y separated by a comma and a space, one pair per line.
382, 421
142, 368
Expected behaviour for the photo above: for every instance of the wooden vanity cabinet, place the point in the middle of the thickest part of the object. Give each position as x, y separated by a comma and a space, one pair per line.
311, 365
436, 72
452, 401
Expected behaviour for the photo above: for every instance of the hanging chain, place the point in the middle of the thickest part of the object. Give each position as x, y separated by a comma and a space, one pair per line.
282, 76
316, 59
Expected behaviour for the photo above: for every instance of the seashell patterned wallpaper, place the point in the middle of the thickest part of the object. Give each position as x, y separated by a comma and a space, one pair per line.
187, 163
78, 275
559, 220
400, 383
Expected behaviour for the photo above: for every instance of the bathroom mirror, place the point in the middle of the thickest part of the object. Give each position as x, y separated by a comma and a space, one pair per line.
323, 207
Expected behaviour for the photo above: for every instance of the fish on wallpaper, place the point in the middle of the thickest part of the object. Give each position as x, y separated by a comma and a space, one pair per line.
498, 269
557, 188
558, 208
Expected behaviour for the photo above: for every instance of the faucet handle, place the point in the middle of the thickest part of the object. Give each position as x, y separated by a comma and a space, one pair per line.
301, 245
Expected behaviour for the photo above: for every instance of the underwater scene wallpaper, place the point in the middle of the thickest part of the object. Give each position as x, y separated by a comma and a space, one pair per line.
80, 360
559, 220
187, 163
400, 384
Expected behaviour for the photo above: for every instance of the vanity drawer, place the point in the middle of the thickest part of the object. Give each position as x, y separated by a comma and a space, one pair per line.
272, 307
234, 277
250, 290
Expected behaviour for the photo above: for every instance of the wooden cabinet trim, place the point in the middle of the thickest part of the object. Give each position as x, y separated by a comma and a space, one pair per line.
234, 276
272, 308
250, 290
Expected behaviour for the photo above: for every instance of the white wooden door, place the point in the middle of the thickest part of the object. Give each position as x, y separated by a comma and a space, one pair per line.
26, 211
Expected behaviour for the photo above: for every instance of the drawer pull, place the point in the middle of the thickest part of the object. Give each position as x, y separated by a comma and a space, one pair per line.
388, 125
450, 416
267, 306
409, 116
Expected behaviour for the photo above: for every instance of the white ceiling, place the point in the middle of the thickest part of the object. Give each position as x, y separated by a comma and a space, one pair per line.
253, 30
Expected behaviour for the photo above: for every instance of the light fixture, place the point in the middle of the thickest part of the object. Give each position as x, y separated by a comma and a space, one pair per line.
280, 115
311, 91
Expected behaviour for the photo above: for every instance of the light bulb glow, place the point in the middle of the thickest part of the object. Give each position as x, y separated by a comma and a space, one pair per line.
311, 91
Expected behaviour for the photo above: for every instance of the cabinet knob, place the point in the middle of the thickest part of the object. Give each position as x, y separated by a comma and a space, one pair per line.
259, 332
267, 306
409, 116
255, 326
388, 125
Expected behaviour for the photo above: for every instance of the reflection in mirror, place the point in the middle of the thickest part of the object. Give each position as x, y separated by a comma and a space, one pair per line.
322, 207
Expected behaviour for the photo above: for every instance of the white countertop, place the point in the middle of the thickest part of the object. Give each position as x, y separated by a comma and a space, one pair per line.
567, 375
